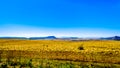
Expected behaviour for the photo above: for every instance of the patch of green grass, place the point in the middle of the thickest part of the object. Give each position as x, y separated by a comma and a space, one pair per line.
44, 63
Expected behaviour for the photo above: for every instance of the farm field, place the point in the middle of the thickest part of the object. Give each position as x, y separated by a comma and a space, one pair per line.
59, 54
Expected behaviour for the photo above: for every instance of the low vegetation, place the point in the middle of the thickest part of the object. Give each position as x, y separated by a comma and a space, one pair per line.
59, 54
81, 47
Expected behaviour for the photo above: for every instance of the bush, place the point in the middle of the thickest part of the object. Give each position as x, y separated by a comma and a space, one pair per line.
4, 66
81, 47
26, 64
14, 63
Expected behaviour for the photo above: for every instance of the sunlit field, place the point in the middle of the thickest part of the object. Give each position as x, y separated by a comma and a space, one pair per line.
59, 54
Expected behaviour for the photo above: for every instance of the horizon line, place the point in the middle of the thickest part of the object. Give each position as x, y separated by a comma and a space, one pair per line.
60, 36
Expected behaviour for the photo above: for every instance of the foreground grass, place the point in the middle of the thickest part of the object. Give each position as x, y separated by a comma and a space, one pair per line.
45, 63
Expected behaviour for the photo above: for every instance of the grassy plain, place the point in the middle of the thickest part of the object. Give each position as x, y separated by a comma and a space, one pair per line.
61, 53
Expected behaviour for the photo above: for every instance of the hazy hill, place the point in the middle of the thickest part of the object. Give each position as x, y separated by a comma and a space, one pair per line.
111, 38
37, 38
13, 38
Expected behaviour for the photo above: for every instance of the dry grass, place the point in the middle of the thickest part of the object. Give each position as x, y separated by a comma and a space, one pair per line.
94, 51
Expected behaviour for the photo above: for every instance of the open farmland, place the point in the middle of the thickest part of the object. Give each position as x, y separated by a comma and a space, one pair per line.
72, 54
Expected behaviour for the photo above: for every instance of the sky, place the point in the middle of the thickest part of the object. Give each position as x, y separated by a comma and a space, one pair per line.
61, 18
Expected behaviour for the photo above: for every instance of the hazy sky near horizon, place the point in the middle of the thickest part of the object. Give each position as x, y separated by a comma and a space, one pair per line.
82, 18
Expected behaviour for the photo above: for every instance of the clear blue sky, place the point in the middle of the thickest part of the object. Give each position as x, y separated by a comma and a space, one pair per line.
82, 18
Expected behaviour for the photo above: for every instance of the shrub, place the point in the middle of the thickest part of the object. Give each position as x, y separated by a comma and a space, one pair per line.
14, 63
30, 63
81, 47
4, 66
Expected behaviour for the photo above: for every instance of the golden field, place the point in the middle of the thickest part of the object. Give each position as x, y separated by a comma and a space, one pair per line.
95, 51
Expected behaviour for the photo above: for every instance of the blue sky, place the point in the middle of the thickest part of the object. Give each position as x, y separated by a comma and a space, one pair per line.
82, 18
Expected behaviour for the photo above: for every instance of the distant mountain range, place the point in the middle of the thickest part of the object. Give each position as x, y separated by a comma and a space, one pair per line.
31, 38
111, 38
13, 38
37, 38
64, 38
